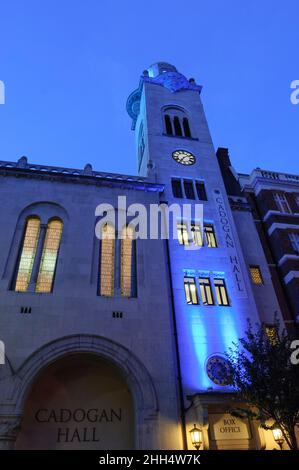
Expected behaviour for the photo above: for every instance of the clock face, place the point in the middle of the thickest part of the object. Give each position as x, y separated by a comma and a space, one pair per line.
218, 370
183, 157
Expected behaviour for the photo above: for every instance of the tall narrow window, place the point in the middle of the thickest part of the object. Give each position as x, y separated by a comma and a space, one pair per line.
182, 231
28, 253
256, 275
201, 191
49, 257
190, 290
282, 202
186, 127
107, 260
141, 146
294, 239
177, 188
189, 189
177, 126
196, 234
221, 292
168, 126
210, 235
126, 261
206, 291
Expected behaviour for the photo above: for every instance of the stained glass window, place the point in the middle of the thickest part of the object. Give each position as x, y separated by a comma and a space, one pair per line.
107, 260
126, 261
49, 257
28, 254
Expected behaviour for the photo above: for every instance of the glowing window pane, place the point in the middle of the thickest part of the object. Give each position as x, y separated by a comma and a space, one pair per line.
206, 291
190, 290
126, 261
182, 234
107, 260
49, 257
221, 292
28, 254
210, 236
196, 235
256, 275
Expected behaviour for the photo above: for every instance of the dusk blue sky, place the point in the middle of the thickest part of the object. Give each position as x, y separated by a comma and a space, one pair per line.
69, 66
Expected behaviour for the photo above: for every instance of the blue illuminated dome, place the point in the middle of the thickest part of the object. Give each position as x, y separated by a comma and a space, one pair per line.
160, 67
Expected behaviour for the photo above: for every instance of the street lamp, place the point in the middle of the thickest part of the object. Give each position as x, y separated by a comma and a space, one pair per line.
278, 437
196, 437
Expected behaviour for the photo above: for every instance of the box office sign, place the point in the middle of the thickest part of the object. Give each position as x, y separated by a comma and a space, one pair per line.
227, 427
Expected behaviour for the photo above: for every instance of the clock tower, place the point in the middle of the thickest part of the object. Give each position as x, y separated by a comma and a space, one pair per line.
209, 278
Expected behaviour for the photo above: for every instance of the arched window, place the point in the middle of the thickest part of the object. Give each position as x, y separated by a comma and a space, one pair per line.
168, 126
127, 261
107, 260
49, 256
176, 121
186, 127
28, 253
177, 126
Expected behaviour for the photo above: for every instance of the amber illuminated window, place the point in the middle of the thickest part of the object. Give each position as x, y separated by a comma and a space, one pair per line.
28, 253
206, 291
49, 257
221, 292
182, 231
107, 260
196, 234
256, 275
126, 261
210, 236
190, 290
272, 334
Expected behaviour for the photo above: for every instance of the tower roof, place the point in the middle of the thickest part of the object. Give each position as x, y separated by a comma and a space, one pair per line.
160, 67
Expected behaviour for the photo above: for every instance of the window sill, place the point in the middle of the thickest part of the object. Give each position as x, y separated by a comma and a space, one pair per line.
179, 136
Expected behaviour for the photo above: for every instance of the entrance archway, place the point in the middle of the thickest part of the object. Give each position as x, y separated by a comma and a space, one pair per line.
78, 402
134, 373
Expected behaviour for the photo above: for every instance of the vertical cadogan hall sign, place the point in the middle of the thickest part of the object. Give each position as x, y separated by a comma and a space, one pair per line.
230, 245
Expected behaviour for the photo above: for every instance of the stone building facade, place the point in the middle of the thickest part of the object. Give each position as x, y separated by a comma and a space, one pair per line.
117, 344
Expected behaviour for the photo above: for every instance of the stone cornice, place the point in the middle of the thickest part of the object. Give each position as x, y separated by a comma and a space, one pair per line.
22, 169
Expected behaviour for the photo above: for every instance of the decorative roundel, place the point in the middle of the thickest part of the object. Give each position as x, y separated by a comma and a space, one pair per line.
218, 370
183, 157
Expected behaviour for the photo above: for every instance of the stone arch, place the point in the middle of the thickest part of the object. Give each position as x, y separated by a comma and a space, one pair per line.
134, 373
